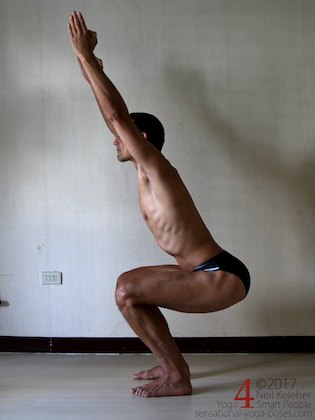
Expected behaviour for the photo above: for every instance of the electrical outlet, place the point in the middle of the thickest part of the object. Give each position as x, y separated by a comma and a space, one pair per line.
51, 277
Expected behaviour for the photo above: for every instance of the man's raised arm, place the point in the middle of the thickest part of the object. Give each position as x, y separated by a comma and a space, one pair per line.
107, 96
112, 105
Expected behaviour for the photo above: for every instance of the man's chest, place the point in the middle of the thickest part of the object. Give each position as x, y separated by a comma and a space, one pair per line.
160, 196
147, 199
153, 198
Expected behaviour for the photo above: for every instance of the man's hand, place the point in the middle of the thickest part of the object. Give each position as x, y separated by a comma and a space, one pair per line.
83, 40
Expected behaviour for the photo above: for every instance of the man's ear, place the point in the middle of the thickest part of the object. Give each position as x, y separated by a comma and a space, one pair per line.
145, 135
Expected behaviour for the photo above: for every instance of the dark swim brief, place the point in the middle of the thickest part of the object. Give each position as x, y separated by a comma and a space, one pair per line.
227, 262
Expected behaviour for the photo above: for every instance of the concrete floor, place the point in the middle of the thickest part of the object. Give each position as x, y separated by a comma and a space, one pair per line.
58, 386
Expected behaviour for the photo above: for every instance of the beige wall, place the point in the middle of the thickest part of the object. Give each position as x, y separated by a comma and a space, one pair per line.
233, 81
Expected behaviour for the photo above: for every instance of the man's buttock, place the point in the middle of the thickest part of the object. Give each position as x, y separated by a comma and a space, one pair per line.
224, 261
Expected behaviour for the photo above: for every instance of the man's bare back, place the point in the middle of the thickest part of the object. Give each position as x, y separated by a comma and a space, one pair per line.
173, 219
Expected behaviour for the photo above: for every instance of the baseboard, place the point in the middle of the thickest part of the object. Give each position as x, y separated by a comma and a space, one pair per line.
273, 344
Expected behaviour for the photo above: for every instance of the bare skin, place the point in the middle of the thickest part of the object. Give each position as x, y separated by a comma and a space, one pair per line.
173, 219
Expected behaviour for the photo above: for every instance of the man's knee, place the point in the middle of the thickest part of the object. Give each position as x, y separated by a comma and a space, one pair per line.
125, 289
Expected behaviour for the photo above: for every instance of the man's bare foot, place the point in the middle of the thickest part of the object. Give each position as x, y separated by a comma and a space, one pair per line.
164, 386
154, 373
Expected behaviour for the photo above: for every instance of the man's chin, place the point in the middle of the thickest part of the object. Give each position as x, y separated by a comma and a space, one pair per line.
123, 158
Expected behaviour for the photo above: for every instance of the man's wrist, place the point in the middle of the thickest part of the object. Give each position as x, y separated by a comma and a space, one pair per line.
86, 57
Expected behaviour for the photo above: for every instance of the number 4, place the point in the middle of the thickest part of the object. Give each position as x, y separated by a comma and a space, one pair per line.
247, 398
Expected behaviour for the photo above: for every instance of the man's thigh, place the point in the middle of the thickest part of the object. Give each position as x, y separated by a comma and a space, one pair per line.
171, 287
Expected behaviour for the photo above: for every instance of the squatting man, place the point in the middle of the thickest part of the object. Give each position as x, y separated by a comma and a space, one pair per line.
206, 277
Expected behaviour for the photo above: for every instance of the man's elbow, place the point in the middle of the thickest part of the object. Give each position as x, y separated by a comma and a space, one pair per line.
118, 116
114, 116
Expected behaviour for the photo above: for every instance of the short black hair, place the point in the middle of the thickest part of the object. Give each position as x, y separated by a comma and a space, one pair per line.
150, 125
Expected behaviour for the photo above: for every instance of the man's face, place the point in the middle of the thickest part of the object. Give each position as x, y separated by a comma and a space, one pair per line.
122, 152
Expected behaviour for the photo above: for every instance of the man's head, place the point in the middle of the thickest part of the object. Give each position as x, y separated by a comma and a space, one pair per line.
151, 126
151, 129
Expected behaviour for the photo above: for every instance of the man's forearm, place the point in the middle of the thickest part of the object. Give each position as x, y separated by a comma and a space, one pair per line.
110, 102
108, 123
